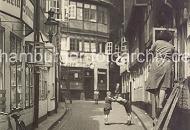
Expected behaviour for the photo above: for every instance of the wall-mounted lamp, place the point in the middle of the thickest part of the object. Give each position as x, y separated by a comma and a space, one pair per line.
51, 25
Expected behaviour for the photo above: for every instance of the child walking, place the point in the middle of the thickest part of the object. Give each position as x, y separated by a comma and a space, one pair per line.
108, 106
127, 106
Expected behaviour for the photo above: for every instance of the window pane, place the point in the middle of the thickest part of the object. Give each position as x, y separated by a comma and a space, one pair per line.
13, 85
13, 44
80, 46
72, 44
93, 47
86, 46
105, 17
103, 47
18, 44
27, 88
100, 48
79, 4
93, 7
99, 14
86, 14
72, 10
19, 86
31, 87
86, 6
79, 13
93, 15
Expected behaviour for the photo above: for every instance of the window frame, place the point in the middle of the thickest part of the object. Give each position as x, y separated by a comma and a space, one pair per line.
81, 8
74, 46
30, 85
15, 64
2, 30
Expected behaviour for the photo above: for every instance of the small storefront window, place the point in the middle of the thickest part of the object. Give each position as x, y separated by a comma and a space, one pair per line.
28, 86
16, 73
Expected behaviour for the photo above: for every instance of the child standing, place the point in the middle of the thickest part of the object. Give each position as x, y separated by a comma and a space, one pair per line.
127, 106
108, 106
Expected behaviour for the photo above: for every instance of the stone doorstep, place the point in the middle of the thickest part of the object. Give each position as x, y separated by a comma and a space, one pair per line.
144, 118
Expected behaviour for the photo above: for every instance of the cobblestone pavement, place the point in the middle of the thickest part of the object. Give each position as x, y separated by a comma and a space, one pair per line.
85, 115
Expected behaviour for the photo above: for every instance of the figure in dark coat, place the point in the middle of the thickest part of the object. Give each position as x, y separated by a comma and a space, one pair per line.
160, 77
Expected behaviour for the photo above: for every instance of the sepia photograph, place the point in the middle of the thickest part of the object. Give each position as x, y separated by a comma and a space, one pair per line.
94, 64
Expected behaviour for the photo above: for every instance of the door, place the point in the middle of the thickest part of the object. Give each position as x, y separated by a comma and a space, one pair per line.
88, 87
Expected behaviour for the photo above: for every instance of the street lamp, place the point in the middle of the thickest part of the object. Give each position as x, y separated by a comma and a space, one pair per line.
51, 25
52, 29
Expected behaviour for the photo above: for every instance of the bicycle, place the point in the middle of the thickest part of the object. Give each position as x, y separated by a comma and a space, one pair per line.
20, 125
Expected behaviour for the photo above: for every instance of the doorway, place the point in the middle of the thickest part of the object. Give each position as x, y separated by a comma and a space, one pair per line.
89, 87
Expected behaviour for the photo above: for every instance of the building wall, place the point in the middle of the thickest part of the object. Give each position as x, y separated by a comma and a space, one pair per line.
14, 26
94, 30
27, 113
155, 15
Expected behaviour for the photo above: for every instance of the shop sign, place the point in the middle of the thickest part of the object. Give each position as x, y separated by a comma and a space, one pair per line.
12, 7
28, 12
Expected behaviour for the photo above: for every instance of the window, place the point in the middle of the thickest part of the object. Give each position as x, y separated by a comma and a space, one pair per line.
86, 46
15, 72
29, 86
101, 47
102, 15
74, 44
93, 47
109, 48
55, 5
76, 75
80, 46
86, 12
2, 41
79, 11
29, 71
93, 13
72, 10
90, 13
